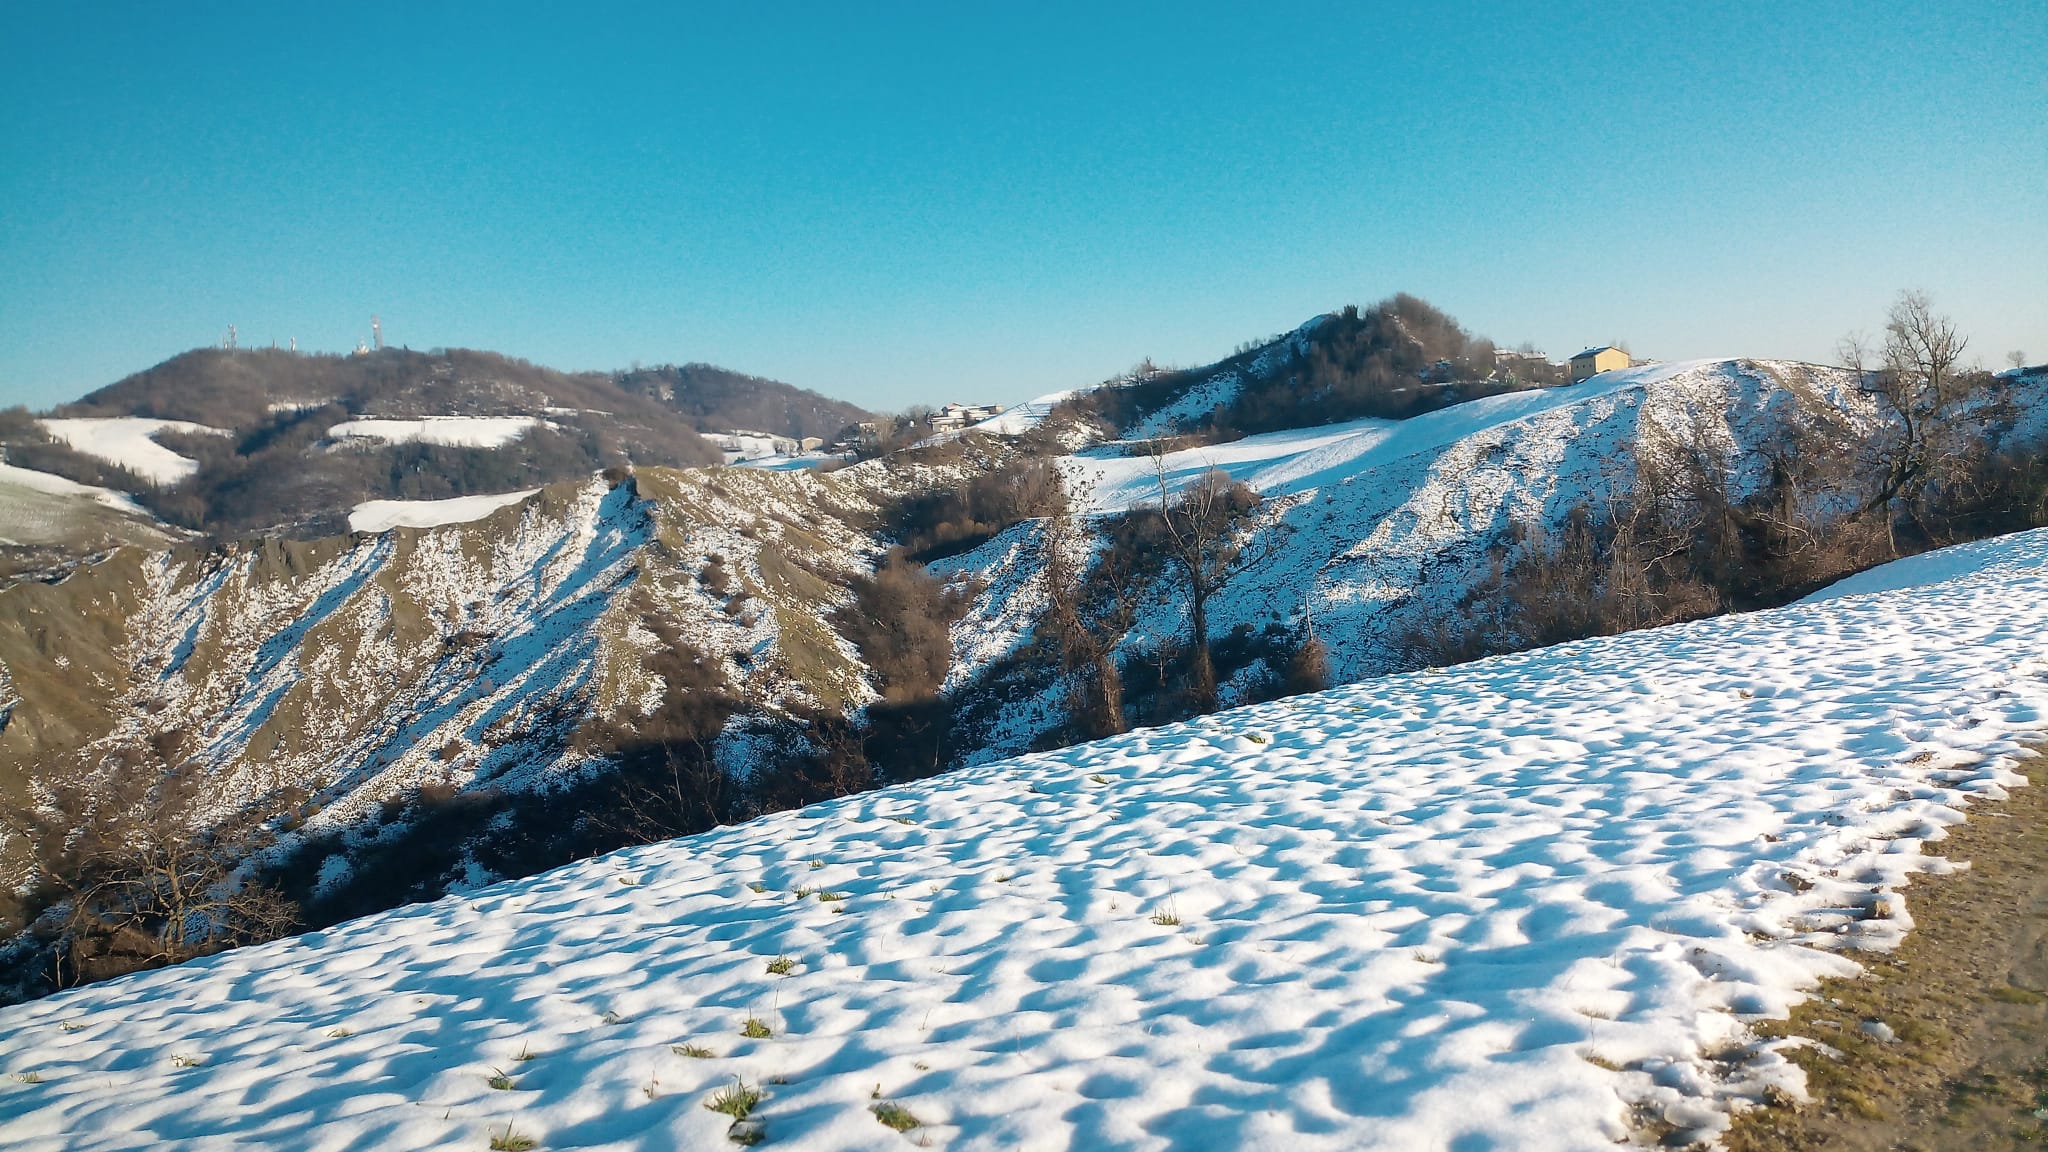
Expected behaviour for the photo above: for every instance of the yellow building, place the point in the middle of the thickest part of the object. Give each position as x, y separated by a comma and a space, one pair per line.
1594, 361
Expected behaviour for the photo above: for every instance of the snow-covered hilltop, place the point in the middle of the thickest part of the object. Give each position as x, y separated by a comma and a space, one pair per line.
1527, 902
1375, 527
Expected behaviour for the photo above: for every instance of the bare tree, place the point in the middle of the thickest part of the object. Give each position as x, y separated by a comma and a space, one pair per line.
1917, 384
1088, 611
132, 873
1201, 523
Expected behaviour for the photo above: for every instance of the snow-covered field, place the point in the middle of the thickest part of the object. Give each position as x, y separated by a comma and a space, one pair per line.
1304, 459
1108, 479
129, 441
51, 485
1509, 905
1018, 419
38, 509
382, 515
452, 431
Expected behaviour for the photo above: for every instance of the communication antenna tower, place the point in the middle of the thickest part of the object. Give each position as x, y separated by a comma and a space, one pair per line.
228, 341
376, 335
295, 343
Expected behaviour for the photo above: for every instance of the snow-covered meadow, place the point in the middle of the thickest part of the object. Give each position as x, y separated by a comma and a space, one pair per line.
46, 484
383, 515
130, 442
1519, 903
449, 431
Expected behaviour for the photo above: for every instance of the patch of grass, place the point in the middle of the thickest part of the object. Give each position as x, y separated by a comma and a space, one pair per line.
2014, 994
181, 1060
1166, 917
756, 1029
339, 1033
736, 1099
611, 1017
500, 1081
511, 1141
816, 864
903, 819
72, 1026
1255, 737
525, 1054
28, 1078
893, 1115
803, 892
1099, 778
758, 886
831, 897
693, 1051
783, 965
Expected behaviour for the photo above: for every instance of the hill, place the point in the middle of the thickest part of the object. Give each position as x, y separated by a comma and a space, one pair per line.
1539, 900
265, 441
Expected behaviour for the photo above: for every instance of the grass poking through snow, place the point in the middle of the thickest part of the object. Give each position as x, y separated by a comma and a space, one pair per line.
896, 1116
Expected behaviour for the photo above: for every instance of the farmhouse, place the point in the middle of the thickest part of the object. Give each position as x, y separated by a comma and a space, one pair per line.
1594, 361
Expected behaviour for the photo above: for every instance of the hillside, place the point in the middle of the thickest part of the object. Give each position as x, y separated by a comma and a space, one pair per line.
410, 713
48, 522
1539, 900
265, 441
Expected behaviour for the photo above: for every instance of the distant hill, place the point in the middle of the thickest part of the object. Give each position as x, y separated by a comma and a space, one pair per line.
306, 437
1398, 358
718, 399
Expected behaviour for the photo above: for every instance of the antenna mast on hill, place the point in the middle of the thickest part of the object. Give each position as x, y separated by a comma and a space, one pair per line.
376, 335
228, 341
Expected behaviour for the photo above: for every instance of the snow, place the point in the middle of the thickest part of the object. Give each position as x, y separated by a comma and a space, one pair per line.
452, 431
51, 485
1190, 405
129, 441
1505, 905
1919, 571
1115, 481
382, 515
1304, 459
1021, 418
796, 463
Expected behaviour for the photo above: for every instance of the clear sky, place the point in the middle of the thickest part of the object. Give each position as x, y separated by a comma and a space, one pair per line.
901, 204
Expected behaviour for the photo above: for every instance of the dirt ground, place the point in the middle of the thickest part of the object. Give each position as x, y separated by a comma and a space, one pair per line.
1966, 998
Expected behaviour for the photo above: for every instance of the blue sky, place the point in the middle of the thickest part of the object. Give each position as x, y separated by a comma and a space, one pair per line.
907, 203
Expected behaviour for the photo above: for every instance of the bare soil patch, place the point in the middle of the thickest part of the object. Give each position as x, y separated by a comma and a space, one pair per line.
1965, 1000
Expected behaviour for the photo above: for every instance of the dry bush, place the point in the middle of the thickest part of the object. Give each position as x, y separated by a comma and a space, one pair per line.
899, 619
932, 525
129, 872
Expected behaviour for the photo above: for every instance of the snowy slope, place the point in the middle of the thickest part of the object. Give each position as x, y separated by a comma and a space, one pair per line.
50, 518
50, 485
1018, 419
1375, 525
452, 431
1110, 479
1510, 905
129, 441
381, 515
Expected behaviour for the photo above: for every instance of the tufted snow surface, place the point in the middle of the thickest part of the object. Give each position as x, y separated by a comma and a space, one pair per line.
1508, 905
